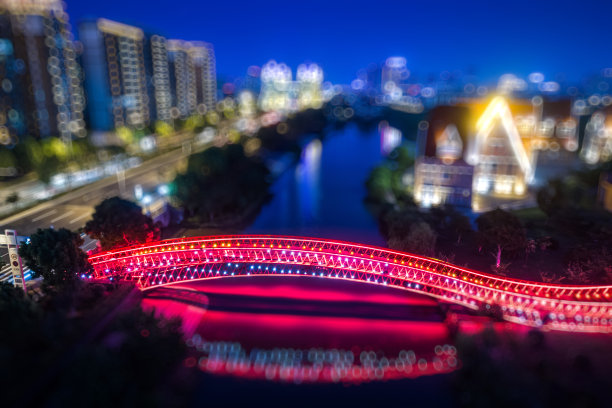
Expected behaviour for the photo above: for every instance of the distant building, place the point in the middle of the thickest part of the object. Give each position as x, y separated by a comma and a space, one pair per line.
441, 174
182, 79
276, 87
158, 77
192, 77
206, 74
309, 78
604, 193
40, 80
496, 150
118, 61
115, 75
280, 93
495, 144
393, 74
439, 183
597, 144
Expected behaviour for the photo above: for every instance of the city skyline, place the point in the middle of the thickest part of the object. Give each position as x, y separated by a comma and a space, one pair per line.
553, 38
296, 204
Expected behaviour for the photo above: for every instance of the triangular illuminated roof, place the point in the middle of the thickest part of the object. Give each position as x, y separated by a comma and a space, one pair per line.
449, 144
498, 109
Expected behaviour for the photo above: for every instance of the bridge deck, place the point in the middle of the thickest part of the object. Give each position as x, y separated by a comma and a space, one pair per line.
564, 307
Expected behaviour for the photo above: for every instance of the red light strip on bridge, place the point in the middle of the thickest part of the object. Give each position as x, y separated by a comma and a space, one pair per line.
562, 307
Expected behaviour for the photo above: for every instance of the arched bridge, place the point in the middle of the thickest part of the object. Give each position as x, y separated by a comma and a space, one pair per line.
562, 307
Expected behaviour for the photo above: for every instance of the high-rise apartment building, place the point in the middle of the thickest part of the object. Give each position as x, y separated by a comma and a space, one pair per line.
192, 77
115, 75
203, 55
182, 79
128, 75
158, 77
40, 80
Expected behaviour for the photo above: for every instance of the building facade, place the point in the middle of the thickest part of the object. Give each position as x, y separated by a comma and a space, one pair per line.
41, 94
115, 74
597, 144
493, 145
192, 76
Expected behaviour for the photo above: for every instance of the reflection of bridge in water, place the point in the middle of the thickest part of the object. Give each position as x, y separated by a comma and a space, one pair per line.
561, 307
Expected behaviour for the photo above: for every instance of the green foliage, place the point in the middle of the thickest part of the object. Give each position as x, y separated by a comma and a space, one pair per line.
569, 194
221, 182
402, 157
12, 198
80, 338
385, 183
397, 222
83, 152
447, 221
407, 230
287, 135
7, 158
125, 134
420, 239
379, 183
502, 230
49, 156
537, 369
117, 222
590, 265
194, 123
577, 191
56, 256
49, 166
163, 129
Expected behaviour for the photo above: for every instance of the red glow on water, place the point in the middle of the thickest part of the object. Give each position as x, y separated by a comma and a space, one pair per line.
279, 328
305, 290
273, 330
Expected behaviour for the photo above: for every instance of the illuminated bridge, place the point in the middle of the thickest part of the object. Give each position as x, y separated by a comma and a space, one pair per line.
560, 307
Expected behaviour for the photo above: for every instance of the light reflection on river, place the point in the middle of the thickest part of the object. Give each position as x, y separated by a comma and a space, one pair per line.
305, 329
322, 195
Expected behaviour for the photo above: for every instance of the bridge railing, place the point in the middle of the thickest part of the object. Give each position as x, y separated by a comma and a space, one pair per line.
534, 303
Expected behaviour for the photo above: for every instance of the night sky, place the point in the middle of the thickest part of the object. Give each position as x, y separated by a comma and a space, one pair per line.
488, 38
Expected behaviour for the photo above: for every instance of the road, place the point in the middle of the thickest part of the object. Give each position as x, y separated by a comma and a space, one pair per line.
73, 209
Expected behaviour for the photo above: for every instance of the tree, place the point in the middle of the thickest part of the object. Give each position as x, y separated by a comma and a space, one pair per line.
553, 197
590, 265
501, 232
117, 222
56, 256
378, 185
396, 223
163, 129
577, 191
421, 239
194, 123
385, 183
8, 163
12, 198
221, 183
77, 338
450, 223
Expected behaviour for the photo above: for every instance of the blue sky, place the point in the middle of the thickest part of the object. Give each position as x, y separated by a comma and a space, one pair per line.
488, 37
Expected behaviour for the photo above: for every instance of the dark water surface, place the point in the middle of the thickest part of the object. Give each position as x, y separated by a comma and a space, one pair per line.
322, 195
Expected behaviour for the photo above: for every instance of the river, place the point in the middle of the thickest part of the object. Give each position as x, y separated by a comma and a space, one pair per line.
322, 194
